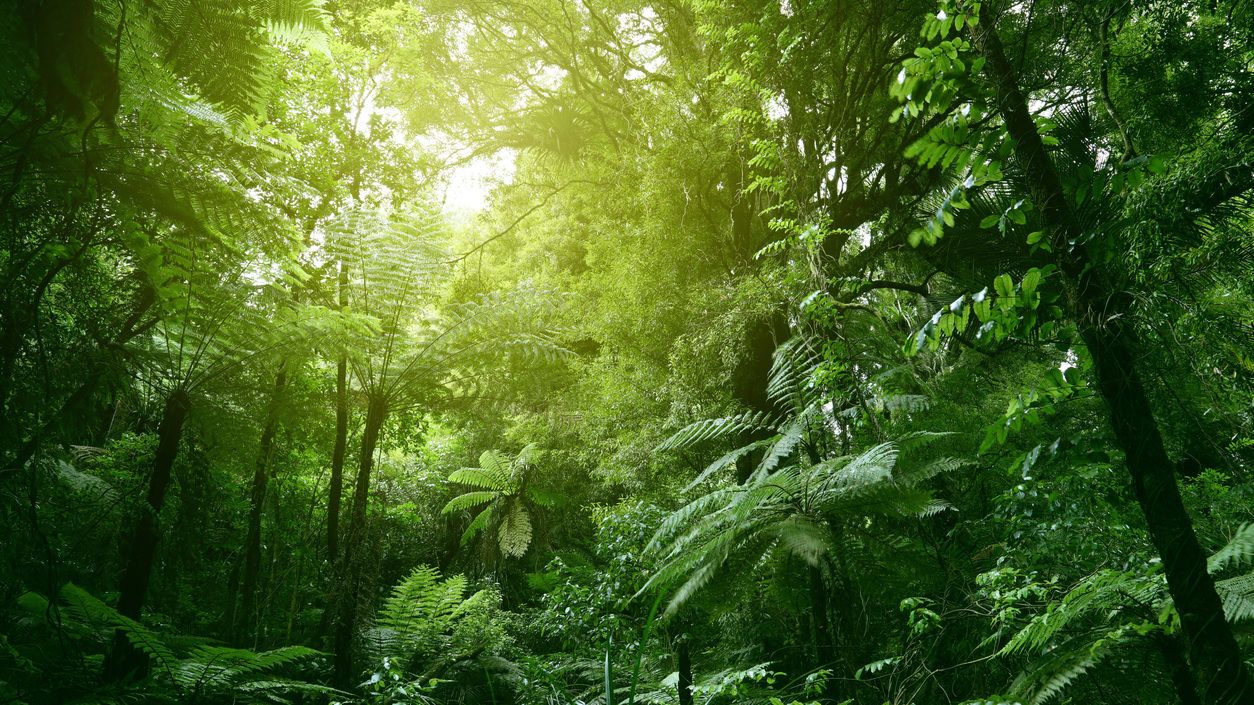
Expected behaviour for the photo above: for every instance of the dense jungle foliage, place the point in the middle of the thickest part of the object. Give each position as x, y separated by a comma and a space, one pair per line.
600, 352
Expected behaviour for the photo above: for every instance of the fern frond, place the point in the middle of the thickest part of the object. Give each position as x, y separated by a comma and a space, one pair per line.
792, 364
728, 460
84, 607
940, 466
469, 500
680, 517
708, 429
479, 523
803, 537
1236, 553
212, 668
100, 490
420, 616
1097, 593
514, 535
903, 403
787, 441
869, 467
1051, 675
479, 477
496, 464
1238, 597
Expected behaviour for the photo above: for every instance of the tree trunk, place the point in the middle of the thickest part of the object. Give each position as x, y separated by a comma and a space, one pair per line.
341, 437
1101, 314
143, 546
349, 573
1178, 669
684, 686
749, 382
823, 647
243, 625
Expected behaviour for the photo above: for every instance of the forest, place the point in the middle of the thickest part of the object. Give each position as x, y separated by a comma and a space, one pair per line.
627, 352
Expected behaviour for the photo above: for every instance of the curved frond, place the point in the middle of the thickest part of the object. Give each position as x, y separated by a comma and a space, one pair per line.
709, 429
479, 523
479, 477
727, 460
469, 500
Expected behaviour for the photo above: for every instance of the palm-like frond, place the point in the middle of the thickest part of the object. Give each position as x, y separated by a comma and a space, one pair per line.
724, 427
789, 510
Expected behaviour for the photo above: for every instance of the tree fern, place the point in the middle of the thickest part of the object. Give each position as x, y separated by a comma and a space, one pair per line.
789, 510
507, 488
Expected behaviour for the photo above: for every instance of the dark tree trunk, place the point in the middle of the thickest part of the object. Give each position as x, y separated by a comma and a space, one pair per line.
143, 545
337, 458
243, 625
349, 572
823, 647
749, 382
341, 437
684, 686
1101, 313
1178, 669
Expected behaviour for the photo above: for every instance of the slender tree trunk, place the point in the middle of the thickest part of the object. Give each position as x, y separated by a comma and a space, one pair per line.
143, 545
1101, 313
684, 686
350, 573
823, 646
244, 622
337, 458
341, 436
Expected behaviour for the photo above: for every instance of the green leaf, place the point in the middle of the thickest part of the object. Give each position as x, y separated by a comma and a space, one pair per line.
1004, 286
1030, 281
